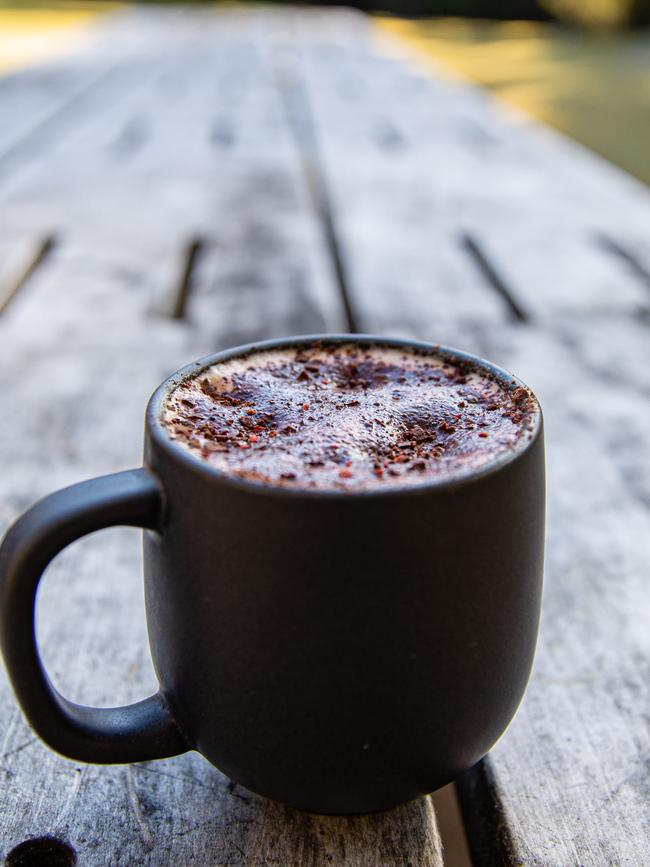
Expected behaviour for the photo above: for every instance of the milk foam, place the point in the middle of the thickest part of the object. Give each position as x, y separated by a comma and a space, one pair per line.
347, 417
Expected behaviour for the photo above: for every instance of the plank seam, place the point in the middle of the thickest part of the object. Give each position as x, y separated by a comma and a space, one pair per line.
476, 252
609, 245
486, 826
300, 120
191, 255
43, 249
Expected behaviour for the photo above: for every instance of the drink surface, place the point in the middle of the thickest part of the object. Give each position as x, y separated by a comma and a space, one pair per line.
347, 416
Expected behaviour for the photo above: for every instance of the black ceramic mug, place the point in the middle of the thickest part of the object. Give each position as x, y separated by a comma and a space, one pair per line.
339, 651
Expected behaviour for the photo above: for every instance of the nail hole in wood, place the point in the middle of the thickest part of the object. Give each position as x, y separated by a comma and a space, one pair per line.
190, 258
42, 250
614, 248
492, 277
42, 852
222, 134
642, 315
132, 137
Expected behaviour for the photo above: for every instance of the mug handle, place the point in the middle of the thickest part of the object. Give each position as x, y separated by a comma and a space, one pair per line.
137, 732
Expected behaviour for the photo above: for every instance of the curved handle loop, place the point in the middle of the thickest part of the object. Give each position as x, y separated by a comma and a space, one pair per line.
141, 731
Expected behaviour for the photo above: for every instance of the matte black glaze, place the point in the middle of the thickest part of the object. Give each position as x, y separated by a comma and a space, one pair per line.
105, 735
338, 651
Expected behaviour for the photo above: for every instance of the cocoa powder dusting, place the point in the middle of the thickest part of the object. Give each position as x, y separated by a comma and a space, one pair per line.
347, 417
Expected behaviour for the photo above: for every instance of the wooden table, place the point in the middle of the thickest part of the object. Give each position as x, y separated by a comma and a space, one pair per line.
197, 179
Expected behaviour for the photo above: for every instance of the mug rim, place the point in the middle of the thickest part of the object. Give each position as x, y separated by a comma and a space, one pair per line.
155, 429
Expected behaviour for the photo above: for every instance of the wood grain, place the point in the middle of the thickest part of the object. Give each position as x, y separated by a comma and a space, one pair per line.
195, 146
568, 783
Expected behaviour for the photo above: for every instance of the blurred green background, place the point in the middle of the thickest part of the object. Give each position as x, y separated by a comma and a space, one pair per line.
587, 13
592, 85
579, 66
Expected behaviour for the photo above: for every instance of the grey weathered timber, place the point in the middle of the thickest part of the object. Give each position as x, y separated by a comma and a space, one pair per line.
183, 140
41, 103
569, 782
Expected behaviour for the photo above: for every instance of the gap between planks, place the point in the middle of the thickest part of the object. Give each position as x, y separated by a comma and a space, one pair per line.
191, 253
477, 253
290, 82
624, 254
24, 268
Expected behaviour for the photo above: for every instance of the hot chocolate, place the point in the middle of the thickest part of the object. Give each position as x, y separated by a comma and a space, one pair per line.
348, 416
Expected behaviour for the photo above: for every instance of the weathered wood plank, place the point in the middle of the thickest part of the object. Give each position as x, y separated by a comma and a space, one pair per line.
39, 103
371, 123
568, 783
126, 183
